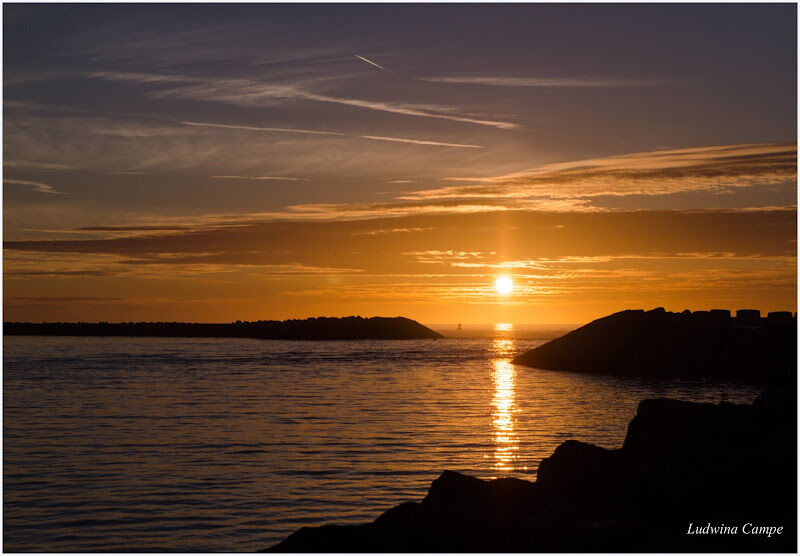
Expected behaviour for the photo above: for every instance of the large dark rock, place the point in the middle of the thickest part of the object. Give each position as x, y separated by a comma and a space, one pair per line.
682, 465
658, 343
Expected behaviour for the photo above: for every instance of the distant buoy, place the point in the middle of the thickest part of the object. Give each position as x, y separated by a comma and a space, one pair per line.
459, 326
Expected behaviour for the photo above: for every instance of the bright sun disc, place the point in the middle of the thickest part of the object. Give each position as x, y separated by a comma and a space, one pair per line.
503, 285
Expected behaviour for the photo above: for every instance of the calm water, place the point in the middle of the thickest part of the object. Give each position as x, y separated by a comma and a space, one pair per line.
230, 445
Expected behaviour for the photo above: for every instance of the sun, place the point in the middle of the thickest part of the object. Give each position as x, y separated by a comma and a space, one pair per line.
503, 285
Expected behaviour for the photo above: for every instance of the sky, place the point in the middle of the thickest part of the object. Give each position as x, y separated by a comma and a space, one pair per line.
209, 163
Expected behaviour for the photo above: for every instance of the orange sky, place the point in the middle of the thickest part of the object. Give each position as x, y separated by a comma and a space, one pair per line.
213, 163
568, 267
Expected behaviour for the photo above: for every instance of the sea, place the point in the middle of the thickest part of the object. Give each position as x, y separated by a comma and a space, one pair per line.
175, 444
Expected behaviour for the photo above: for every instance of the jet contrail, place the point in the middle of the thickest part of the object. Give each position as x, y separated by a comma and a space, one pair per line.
369, 62
309, 131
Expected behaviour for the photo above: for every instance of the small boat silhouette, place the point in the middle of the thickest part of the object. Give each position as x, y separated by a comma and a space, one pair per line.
459, 326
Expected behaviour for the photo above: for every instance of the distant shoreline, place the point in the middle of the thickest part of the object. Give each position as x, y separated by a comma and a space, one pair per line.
320, 328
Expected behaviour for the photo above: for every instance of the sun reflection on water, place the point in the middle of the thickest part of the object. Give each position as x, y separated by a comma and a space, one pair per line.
506, 442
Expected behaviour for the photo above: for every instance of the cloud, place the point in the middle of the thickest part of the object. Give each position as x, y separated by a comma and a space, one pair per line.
423, 111
150, 42
544, 81
246, 92
36, 165
50, 299
145, 228
316, 132
148, 145
258, 178
696, 259
533, 236
589, 185
37, 186
266, 129
665, 172
392, 231
332, 211
420, 142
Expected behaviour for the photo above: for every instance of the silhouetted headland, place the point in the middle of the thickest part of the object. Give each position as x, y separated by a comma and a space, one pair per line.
685, 477
688, 344
321, 328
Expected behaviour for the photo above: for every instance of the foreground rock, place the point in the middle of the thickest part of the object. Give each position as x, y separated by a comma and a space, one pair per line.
683, 466
659, 343
321, 328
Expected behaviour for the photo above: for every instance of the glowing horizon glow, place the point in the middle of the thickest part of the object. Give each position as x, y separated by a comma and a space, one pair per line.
504, 285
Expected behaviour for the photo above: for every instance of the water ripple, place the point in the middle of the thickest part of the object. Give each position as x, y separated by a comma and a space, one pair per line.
130, 444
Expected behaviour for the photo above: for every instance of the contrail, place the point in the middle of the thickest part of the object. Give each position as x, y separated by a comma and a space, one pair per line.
369, 62
419, 142
310, 131
252, 128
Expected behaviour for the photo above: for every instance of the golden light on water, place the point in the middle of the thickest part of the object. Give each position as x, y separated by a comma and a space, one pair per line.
506, 442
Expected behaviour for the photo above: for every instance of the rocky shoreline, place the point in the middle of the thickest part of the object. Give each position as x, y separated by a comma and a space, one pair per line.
658, 343
689, 477
319, 328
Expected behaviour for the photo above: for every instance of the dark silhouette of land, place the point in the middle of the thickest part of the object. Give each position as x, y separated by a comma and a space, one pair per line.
659, 343
321, 328
683, 466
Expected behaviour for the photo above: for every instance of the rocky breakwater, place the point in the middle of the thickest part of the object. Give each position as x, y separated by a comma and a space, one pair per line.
660, 343
689, 477
320, 328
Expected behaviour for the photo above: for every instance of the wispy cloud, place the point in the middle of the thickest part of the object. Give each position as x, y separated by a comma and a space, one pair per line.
498, 81
422, 111
51, 299
434, 258
330, 211
258, 178
316, 132
666, 172
31, 164
420, 142
37, 186
266, 129
391, 231
149, 145
566, 238
247, 92
370, 62
580, 186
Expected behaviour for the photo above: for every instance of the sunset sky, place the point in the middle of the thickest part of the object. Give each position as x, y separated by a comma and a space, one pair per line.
221, 162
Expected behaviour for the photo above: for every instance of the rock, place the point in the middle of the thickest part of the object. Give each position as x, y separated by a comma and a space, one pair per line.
658, 343
681, 463
500, 499
576, 468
